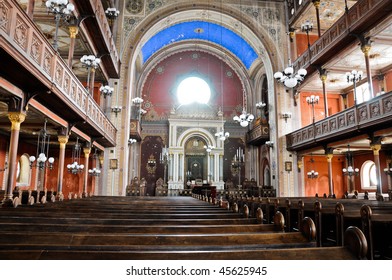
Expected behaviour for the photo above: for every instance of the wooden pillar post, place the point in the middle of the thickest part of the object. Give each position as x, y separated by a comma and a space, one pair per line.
329, 156
323, 78
316, 4
365, 47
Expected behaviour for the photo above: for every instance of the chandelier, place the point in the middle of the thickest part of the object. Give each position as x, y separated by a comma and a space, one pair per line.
222, 135
106, 90
244, 119
209, 148
60, 9
112, 13
75, 167
43, 142
312, 174
350, 170
288, 78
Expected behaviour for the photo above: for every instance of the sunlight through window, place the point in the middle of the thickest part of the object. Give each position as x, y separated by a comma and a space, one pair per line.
193, 89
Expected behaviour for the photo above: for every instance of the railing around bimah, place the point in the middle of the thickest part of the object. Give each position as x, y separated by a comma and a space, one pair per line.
367, 116
363, 14
25, 42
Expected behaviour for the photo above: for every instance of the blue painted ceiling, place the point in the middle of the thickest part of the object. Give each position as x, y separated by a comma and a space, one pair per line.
201, 30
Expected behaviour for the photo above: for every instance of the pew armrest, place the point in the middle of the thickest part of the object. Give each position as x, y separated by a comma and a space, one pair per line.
355, 241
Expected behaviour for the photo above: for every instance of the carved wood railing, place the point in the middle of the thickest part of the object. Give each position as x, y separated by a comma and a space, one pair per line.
23, 40
364, 118
258, 134
361, 17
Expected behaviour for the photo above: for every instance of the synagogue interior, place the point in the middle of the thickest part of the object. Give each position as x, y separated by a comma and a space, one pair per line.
225, 101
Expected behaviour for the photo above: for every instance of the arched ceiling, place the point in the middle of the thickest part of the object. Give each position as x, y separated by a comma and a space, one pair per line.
201, 30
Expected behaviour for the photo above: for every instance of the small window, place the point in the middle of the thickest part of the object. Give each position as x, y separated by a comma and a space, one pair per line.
369, 175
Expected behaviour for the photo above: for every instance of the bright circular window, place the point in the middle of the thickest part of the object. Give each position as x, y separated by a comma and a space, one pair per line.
193, 89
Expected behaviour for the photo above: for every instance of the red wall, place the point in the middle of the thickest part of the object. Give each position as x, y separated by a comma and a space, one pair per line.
159, 91
334, 105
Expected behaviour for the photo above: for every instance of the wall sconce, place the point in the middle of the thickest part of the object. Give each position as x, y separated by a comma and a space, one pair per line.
312, 174
387, 171
286, 115
260, 105
116, 109
5, 167
269, 144
106, 90
131, 141
151, 164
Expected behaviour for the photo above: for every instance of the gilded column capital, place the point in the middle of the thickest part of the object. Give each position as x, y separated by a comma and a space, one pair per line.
376, 149
86, 151
366, 49
316, 3
323, 78
329, 157
63, 140
73, 31
16, 119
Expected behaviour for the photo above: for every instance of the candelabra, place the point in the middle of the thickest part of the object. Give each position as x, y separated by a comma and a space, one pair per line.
307, 27
312, 174
354, 77
90, 62
94, 172
313, 100
286, 115
164, 159
350, 171
244, 119
106, 90
288, 78
61, 10
237, 162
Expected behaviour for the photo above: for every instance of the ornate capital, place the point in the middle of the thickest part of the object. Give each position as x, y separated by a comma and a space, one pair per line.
323, 78
86, 151
16, 119
329, 157
63, 140
366, 49
73, 31
376, 149
316, 3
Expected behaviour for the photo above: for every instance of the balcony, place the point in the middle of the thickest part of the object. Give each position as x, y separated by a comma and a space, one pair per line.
365, 118
258, 134
39, 71
362, 16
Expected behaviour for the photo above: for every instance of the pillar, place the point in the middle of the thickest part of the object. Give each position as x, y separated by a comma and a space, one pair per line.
323, 78
329, 156
375, 145
86, 151
316, 4
16, 119
63, 140
365, 47
92, 81
73, 31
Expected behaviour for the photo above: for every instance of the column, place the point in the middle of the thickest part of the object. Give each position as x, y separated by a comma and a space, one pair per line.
375, 145
365, 47
63, 140
73, 31
329, 156
16, 119
30, 8
316, 4
92, 81
220, 167
180, 167
323, 78
86, 151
